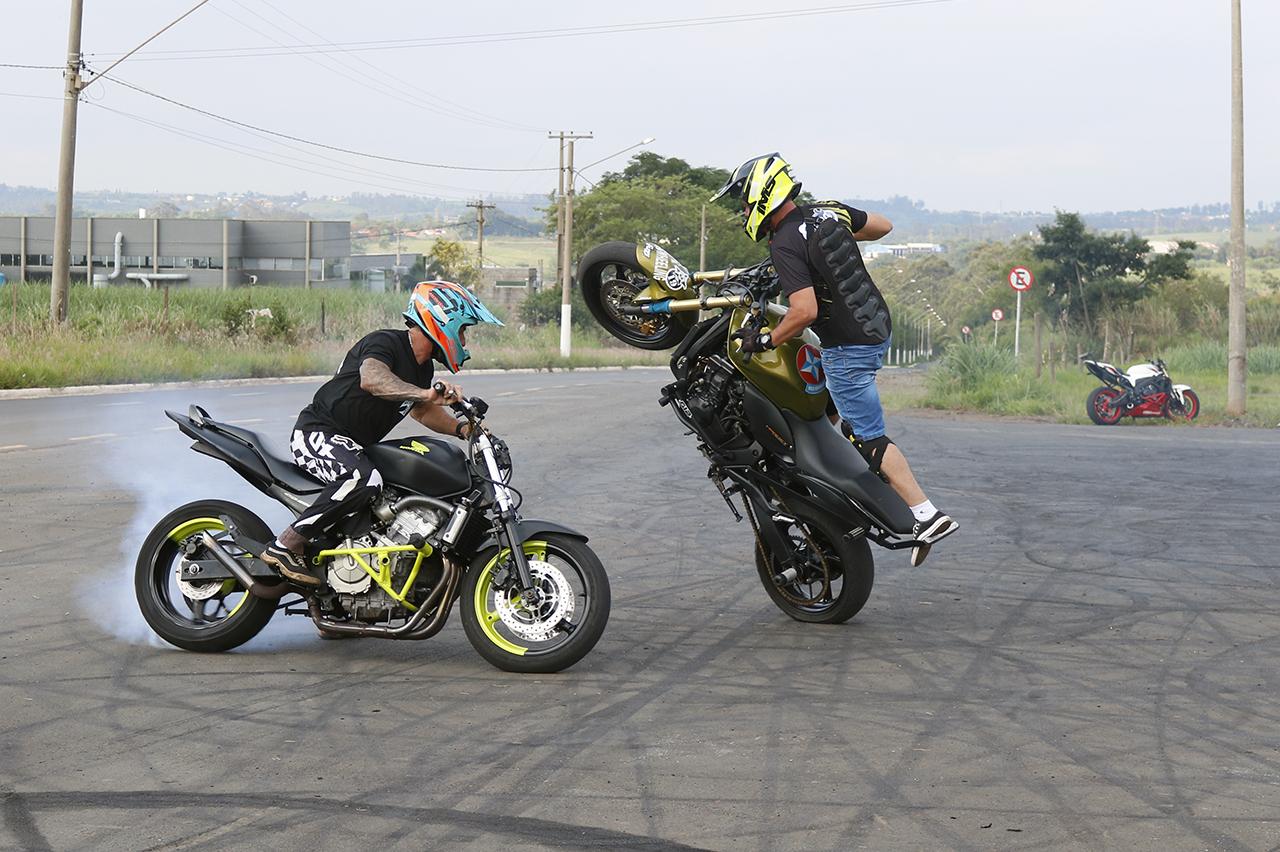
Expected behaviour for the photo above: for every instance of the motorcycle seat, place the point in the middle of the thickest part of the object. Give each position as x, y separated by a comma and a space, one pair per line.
821, 451
280, 465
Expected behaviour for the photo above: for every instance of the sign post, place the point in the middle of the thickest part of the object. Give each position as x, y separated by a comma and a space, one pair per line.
996, 316
1020, 279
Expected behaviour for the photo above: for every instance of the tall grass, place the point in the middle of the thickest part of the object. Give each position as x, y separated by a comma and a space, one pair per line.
125, 335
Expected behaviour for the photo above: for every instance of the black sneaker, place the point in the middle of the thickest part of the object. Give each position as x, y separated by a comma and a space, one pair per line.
935, 529
290, 564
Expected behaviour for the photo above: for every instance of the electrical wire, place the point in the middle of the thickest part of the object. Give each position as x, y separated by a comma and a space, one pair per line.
533, 35
37, 67
32, 97
384, 77
312, 142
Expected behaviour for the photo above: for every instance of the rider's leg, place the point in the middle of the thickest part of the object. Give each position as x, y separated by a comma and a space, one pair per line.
353, 480
898, 472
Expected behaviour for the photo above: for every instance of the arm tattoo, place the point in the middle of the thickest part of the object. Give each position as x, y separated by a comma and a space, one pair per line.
377, 379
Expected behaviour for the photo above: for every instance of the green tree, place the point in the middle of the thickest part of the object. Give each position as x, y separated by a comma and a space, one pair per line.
1093, 272
451, 261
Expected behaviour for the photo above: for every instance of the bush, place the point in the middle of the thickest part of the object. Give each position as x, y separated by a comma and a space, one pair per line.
966, 368
271, 322
543, 308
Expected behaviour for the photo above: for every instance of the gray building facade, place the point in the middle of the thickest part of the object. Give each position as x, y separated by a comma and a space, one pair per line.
195, 252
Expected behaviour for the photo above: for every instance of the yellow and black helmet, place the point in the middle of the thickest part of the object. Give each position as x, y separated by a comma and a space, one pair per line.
763, 184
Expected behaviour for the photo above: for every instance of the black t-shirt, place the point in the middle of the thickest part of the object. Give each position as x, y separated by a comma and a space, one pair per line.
342, 407
792, 252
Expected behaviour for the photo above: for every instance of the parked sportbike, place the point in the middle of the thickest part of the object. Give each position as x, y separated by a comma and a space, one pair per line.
761, 422
534, 596
1145, 390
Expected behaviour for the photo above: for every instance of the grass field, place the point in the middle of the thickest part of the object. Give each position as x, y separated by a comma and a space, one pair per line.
498, 251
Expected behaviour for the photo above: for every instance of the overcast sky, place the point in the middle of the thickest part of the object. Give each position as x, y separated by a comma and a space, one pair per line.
967, 104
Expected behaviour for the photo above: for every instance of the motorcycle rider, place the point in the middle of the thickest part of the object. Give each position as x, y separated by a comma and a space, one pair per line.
385, 376
814, 251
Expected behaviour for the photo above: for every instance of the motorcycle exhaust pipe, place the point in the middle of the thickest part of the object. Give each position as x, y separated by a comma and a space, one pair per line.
255, 587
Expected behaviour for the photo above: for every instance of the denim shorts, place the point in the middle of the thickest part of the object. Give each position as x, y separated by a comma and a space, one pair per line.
851, 380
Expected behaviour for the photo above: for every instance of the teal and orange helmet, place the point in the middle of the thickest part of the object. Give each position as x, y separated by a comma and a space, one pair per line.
442, 310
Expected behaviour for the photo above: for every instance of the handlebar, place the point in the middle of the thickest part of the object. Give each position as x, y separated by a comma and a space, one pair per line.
473, 408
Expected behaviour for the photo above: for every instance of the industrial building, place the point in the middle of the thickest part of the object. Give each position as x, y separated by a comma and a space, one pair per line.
196, 252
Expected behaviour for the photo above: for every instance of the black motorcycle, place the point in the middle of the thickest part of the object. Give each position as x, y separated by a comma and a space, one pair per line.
761, 423
535, 597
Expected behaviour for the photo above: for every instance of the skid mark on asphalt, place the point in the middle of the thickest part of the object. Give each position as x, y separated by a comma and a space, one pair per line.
474, 824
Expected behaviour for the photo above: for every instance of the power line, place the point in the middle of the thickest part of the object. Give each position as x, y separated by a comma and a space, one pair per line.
532, 35
250, 151
316, 144
364, 79
387, 76
32, 97
148, 40
37, 67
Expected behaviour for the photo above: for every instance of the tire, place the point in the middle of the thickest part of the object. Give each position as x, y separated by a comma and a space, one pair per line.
609, 276
848, 560
1190, 407
1099, 407
492, 635
181, 620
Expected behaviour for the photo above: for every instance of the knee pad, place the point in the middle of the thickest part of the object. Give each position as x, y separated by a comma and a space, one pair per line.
873, 451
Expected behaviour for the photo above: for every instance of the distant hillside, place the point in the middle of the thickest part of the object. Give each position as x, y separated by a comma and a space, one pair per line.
521, 215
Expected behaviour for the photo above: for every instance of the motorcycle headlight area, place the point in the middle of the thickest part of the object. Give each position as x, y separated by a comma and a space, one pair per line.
541, 621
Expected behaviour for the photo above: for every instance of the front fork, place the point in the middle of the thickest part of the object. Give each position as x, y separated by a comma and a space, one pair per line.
509, 518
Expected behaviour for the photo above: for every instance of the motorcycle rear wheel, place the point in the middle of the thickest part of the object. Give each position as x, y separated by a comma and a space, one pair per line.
205, 617
610, 277
1100, 408
514, 638
849, 565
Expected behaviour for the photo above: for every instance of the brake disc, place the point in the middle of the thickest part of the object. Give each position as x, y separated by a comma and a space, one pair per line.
541, 621
199, 591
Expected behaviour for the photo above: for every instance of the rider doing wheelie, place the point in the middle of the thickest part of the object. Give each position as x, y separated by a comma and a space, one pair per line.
388, 374
814, 251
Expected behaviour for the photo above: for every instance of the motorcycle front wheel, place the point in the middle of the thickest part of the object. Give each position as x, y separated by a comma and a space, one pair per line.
1190, 407
546, 635
208, 616
835, 577
610, 278
1102, 408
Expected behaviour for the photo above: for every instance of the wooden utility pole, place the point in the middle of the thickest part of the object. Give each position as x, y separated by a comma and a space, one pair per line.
61, 286
1236, 342
566, 262
480, 207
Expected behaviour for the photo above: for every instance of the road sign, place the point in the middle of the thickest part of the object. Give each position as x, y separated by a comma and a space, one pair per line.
997, 315
1020, 278
965, 329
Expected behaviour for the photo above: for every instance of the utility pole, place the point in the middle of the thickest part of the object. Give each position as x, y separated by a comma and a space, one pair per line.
702, 241
566, 272
1236, 343
480, 207
559, 207
61, 285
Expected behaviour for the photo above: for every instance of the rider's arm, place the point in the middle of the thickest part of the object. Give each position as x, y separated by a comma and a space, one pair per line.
801, 311
438, 419
377, 379
876, 227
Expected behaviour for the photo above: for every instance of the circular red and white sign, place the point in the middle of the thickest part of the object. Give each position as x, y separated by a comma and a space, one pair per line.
997, 315
965, 330
1020, 278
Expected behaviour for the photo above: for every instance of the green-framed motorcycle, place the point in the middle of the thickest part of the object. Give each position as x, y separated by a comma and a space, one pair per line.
446, 529
761, 421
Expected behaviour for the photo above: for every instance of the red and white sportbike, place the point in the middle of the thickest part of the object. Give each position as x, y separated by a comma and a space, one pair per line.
1144, 391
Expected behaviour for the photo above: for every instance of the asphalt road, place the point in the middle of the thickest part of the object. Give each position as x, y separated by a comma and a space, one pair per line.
1090, 663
